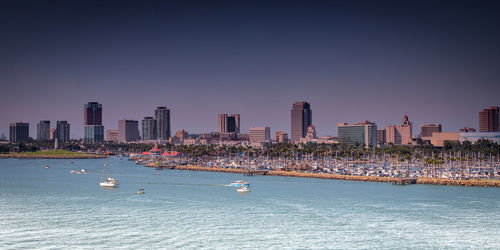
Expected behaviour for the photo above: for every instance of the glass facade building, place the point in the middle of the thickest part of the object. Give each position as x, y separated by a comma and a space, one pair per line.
162, 116
362, 134
19, 131
301, 119
43, 130
149, 129
94, 134
62, 131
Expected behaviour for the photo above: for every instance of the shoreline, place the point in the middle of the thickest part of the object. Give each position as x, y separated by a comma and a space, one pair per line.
428, 181
20, 156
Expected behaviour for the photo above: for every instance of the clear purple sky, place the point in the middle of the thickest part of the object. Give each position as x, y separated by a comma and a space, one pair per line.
437, 61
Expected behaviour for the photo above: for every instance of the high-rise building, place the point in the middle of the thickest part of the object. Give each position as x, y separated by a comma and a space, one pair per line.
361, 133
301, 118
43, 130
149, 128
18, 131
162, 116
128, 130
92, 113
62, 131
260, 134
488, 120
399, 134
228, 123
281, 136
93, 129
426, 130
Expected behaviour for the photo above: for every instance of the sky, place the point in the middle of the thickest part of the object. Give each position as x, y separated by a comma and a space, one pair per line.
436, 61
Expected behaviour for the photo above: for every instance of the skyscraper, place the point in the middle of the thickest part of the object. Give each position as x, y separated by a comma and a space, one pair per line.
228, 123
93, 129
428, 129
162, 116
361, 133
128, 130
18, 131
43, 130
488, 120
149, 128
62, 131
399, 134
301, 118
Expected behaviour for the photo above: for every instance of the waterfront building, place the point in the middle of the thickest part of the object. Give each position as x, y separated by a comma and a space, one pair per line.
259, 135
18, 131
361, 133
426, 130
128, 130
162, 117
93, 129
149, 128
43, 130
399, 134
475, 136
488, 120
62, 131
228, 123
301, 119
381, 136
53, 134
112, 135
281, 136
439, 138
467, 129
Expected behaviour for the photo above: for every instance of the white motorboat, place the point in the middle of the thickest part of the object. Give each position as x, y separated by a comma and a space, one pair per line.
83, 170
74, 172
239, 183
141, 191
109, 182
243, 190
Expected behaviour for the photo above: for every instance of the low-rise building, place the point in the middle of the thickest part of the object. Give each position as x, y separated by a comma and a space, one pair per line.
475, 136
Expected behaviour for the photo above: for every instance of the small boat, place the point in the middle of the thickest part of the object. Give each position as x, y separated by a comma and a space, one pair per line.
47, 166
74, 172
83, 170
239, 183
109, 182
141, 191
243, 190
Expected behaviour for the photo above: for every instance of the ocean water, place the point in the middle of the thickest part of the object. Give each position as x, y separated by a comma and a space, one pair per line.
53, 209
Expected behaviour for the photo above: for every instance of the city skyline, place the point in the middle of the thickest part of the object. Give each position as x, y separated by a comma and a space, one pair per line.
352, 61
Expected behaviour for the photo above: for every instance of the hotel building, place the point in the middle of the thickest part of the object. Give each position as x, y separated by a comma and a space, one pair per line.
43, 130
228, 123
18, 131
399, 134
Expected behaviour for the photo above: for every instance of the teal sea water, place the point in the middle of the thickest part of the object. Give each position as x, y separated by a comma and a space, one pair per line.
51, 208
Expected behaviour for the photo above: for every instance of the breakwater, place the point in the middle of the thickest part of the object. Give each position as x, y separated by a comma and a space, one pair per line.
429, 181
21, 156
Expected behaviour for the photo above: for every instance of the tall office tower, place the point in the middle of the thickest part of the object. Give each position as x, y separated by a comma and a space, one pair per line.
361, 133
488, 120
399, 134
93, 114
93, 129
162, 116
149, 128
18, 131
260, 134
426, 130
228, 123
281, 136
43, 130
62, 131
301, 118
128, 130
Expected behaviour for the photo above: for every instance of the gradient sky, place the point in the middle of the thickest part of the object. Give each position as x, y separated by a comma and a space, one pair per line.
437, 61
